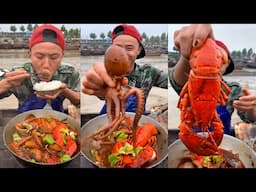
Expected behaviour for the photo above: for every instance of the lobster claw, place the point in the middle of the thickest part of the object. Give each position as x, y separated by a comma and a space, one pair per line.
146, 134
196, 143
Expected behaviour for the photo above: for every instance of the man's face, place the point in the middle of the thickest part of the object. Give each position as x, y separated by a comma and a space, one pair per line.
46, 58
131, 46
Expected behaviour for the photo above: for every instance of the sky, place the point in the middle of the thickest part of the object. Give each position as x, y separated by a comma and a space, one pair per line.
235, 36
149, 29
6, 27
86, 29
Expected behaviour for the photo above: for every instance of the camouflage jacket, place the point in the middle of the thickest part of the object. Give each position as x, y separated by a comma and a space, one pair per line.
236, 92
146, 76
65, 73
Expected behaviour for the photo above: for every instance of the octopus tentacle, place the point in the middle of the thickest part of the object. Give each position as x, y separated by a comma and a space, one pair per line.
114, 127
140, 103
103, 129
112, 97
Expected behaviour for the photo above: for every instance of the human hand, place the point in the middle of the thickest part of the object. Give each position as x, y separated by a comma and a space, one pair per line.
245, 103
15, 78
53, 96
191, 36
96, 80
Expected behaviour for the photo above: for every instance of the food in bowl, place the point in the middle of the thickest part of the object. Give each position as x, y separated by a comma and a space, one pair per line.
226, 159
234, 150
48, 140
47, 88
94, 125
118, 148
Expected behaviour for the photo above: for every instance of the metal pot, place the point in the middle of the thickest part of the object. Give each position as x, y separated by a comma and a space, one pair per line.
9, 129
177, 149
96, 123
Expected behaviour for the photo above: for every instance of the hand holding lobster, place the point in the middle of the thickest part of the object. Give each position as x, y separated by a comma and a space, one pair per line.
199, 98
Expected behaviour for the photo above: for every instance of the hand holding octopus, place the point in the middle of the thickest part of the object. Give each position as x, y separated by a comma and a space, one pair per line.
117, 64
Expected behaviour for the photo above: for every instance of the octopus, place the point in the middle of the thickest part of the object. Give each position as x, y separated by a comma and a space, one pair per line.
117, 65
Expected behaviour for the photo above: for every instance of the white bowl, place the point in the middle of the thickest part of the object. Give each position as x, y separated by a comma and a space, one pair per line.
47, 88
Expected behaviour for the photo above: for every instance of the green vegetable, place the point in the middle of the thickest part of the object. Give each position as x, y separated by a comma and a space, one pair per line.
127, 149
16, 137
206, 160
64, 158
48, 139
32, 160
120, 135
212, 159
138, 150
217, 158
64, 130
64, 138
113, 159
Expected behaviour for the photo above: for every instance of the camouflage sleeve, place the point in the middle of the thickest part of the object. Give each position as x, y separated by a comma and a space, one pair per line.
26, 66
234, 95
236, 92
173, 83
69, 75
9, 92
75, 81
5, 94
161, 78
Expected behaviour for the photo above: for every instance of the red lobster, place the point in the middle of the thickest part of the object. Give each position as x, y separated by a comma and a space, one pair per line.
146, 138
199, 98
